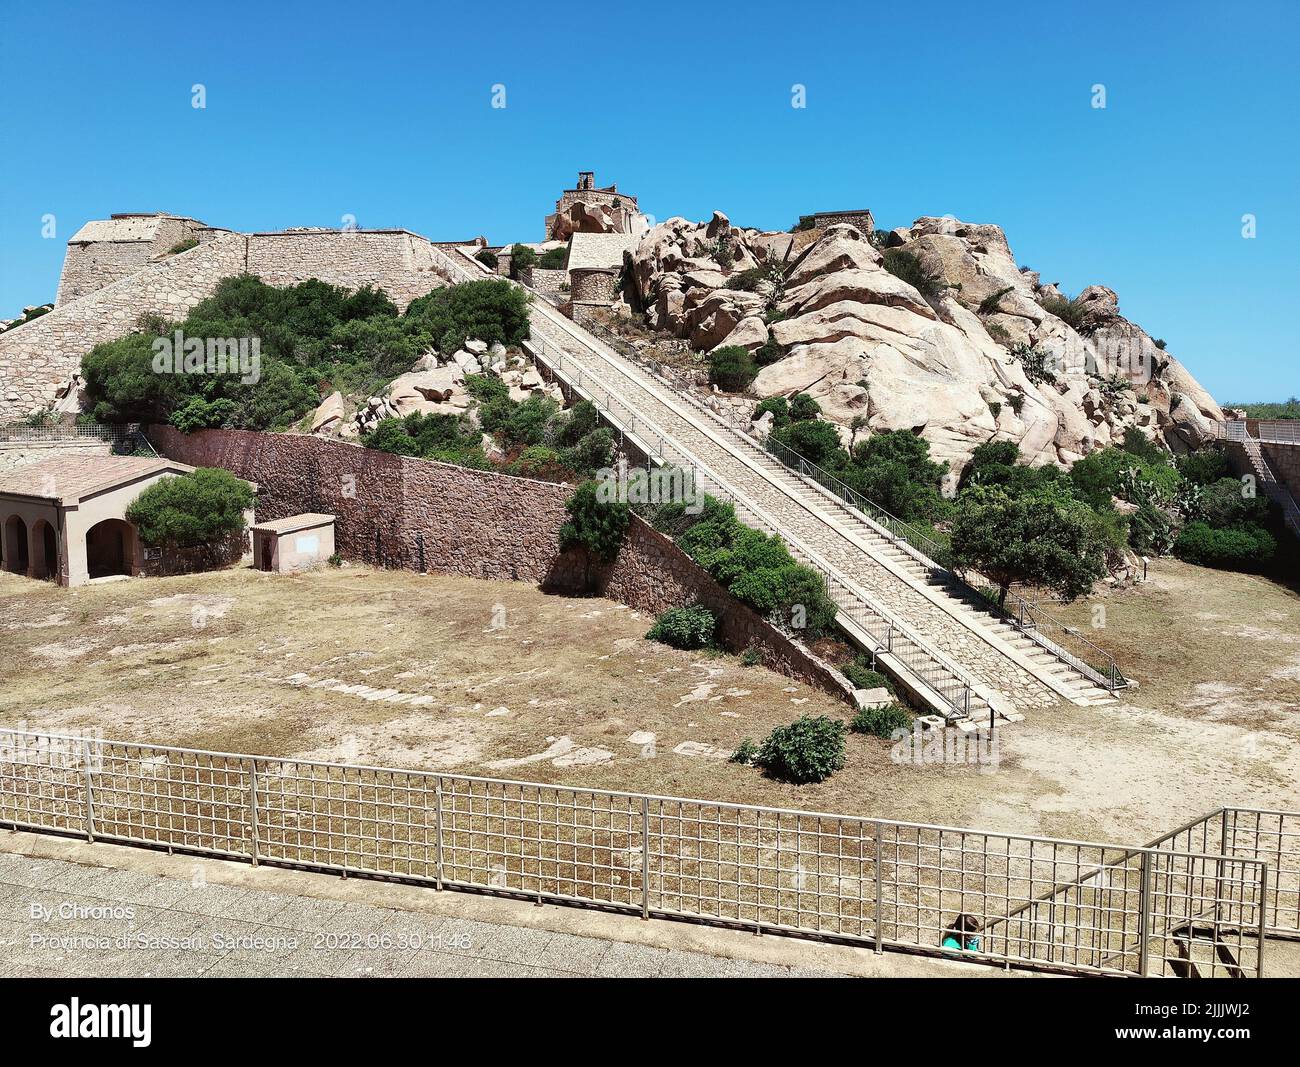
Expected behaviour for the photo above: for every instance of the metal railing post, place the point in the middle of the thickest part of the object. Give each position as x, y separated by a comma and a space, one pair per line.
1144, 918
645, 857
252, 810
1263, 925
90, 793
880, 893
437, 843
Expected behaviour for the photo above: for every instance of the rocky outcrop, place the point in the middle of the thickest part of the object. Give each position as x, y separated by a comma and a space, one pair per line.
981, 356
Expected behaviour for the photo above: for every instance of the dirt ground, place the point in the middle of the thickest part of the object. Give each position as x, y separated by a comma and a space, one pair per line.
496, 678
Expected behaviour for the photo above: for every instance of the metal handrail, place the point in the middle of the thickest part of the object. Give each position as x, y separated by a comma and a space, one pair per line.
956, 694
1025, 617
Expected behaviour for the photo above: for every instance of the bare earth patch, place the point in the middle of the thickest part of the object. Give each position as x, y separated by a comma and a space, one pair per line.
394, 668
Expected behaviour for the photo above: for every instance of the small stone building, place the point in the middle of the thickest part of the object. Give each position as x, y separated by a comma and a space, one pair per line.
64, 519
293, 544
860, 218
594, 263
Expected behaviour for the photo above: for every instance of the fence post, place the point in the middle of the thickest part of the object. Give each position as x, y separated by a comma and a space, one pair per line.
252, 810
1144, 918
437, 843
1263, 926
645, 857
880, 918
90, 794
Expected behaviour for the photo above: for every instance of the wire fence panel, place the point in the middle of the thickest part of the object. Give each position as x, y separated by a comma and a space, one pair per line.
1181, 909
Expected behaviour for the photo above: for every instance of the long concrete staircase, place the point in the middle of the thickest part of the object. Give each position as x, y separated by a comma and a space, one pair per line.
936, 636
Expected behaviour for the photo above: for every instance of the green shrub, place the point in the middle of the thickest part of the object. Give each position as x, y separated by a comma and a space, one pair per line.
907, 267
1204, 466
768, 352
538, 461
745, 752
553, 259
746, 280
863, 677
731, 368
882, 722
778, 406
1071, 312
751, 657
335, 560
685, 628
203, 507
802, 406
521, 258
1039, 363
995, 408
894, 470
487, 257
491, 310
1238, 548
992, 303
816, 441
594, 524
808, 750
183, 246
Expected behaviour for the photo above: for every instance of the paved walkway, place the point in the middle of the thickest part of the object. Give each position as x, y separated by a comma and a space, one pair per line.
73, 909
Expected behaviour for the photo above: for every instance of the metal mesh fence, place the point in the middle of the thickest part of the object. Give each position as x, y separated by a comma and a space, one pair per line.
1073, 906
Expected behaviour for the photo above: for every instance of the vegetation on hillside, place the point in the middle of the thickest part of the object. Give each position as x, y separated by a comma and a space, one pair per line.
1288, 410
1043, 525
313, 338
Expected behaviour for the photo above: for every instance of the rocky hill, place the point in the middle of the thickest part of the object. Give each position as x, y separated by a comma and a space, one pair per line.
931, 327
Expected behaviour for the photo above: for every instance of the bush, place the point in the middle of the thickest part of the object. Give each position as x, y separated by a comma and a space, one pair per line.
894, 470
491, 310
746, 280
1205, 465
778, 406
203, 507
487, 257
881, 722
992, 303
685, 628
731, 368
745, 752
1039, 363
816, 441
768, 352
908, 268
802, 406
808, 750
1240, 548
594, 524
521, 258
183, 246
1071, 312
863, 677
553, 259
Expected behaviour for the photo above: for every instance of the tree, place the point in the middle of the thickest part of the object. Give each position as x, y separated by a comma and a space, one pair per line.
204, 507
594, 524
731, 368
808, 750
490, 310
894, 470
1045, 539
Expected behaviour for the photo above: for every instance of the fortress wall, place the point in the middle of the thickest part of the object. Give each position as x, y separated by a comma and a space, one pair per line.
91, 265
418, 514
396, 261
39, 356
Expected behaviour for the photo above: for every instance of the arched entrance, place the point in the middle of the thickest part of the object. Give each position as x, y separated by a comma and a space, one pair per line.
109, 548
15, 541
45, 545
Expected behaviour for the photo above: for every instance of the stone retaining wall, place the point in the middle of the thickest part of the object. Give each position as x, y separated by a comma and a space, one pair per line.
1285, 461
396, 511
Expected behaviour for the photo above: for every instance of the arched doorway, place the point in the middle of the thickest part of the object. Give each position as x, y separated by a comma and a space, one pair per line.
15, 539
45, 545
109, 548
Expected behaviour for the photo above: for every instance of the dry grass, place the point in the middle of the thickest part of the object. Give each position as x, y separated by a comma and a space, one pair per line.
226, 661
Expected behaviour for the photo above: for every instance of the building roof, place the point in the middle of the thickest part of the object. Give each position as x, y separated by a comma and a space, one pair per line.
295, 522
70, 479
123, 228
599, 251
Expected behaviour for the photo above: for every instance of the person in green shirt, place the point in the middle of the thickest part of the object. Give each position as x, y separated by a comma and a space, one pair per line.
963, 934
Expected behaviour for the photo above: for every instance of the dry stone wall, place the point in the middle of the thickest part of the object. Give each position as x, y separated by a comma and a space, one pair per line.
416, 514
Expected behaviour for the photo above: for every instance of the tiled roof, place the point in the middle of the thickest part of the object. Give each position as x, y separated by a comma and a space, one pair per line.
295, 522
69, 479
599, 251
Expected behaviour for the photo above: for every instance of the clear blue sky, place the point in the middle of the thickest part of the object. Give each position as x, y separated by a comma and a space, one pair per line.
382, 111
